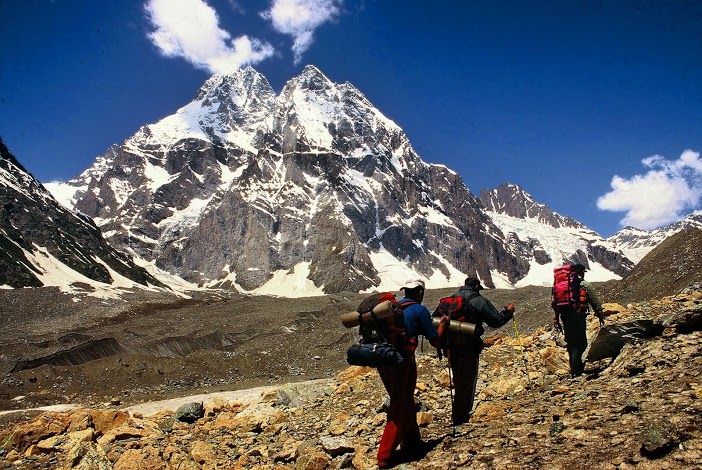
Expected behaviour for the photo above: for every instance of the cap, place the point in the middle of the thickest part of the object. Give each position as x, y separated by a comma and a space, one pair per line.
579, 268
475, 282
413, 284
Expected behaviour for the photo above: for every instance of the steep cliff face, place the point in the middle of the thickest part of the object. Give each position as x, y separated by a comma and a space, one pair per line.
241, 185
40, 240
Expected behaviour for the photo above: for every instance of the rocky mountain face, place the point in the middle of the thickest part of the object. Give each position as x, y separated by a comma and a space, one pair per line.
41, 239
636, 243
549, 239
240, 185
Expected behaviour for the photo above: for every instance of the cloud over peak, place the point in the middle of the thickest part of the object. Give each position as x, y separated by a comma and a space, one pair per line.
662, 195
191, 30
299, 19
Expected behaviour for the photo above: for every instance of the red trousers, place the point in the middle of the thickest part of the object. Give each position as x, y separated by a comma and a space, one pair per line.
402, 425
464, 362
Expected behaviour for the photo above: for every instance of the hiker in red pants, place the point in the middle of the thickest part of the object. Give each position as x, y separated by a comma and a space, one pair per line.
400, 381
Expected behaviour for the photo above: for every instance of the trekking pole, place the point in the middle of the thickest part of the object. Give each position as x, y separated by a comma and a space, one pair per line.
448, 365
521, 347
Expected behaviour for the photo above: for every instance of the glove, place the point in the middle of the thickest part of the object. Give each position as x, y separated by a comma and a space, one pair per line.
510, 307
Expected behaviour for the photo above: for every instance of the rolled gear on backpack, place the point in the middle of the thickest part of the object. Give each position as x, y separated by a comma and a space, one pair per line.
455, 327
382, 310
381, 332
380, 354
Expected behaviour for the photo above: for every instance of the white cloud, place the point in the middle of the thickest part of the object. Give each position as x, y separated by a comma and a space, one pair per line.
190, 29
299, 19
665, 194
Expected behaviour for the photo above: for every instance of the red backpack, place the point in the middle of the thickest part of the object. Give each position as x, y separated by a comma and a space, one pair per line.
456, 307
567, 293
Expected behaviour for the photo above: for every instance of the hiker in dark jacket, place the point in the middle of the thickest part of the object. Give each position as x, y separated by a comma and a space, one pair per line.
575, 324
464, 353
400, 381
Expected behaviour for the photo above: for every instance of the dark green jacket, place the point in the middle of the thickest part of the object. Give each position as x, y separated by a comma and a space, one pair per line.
484, 309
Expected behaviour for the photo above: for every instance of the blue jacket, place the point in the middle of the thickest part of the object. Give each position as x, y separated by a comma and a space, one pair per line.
418, 321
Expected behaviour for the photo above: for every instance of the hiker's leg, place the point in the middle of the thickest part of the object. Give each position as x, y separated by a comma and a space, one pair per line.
401, 412
576, 339
580, 342
472, 362
464, 366
408, 428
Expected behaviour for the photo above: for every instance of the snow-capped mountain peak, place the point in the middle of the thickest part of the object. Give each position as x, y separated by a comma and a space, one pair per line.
313, 190
637, 243
549, 239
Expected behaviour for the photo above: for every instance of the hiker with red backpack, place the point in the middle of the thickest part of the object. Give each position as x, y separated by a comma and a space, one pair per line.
463, 351
570, 297
401, 380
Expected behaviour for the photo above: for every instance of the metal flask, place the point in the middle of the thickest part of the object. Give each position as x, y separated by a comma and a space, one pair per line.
460, 328
382, 310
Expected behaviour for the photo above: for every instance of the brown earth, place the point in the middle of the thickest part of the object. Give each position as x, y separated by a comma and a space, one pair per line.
641, 409
145, 345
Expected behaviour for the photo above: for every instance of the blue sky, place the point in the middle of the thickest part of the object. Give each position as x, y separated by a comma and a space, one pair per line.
593, 107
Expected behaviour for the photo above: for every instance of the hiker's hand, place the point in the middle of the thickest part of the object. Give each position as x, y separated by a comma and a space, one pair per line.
557, 325
510, 307
600, 316
445, 319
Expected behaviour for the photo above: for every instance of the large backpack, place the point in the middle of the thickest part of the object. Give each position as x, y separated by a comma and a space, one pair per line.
457, 308
391, 328
567, 293
381, 340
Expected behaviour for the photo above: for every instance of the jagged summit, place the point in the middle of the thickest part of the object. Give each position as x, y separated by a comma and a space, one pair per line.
637, 243
510, 199
314, 188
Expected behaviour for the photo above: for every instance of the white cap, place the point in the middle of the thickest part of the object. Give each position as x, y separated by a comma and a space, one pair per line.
413, 283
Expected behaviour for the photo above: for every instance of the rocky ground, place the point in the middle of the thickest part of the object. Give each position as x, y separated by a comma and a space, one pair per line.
642, 409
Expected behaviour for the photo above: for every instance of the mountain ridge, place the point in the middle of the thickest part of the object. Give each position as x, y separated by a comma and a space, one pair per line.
40, 239
314, 191
324, 159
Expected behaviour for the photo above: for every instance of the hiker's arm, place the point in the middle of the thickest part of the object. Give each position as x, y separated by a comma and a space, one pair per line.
489, 314
424, 326
441, 331
592, 298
